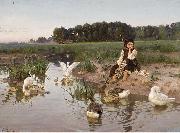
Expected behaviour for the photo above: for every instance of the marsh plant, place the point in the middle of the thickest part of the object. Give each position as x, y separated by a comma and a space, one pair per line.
148, 51
36, 66
87, 66
82, 91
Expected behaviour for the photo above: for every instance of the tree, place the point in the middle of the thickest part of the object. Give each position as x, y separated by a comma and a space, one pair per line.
115, 31
162, 32
59, 35
32, 40
41, 40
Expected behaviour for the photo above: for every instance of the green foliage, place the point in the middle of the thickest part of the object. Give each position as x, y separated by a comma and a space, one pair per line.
59, 35
114, 31
82, 91
158, 46
148, 51
20, 72
100, 31
146, 58
87, 66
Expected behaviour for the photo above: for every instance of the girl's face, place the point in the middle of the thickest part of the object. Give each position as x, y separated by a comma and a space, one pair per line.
130, 45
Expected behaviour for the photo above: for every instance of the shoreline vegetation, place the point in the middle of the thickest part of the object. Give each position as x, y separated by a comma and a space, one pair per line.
166, 51
160, 58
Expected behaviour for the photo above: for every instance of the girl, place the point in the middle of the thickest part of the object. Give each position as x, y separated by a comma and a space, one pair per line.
127, 62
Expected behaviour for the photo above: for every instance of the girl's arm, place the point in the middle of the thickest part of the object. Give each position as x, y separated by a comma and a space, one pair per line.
119, 61
132, 55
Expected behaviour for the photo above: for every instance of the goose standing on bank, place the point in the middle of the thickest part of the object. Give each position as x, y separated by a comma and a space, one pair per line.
124, 93
118, 92
94, 109
158, 98
115, 95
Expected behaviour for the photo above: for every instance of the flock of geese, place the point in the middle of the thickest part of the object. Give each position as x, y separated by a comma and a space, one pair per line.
95, 110
32, 83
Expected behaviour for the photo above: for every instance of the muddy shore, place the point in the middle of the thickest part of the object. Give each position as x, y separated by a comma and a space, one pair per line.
166, 76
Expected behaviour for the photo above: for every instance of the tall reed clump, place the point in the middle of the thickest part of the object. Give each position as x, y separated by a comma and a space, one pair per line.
83, 91
86, 66
36, 66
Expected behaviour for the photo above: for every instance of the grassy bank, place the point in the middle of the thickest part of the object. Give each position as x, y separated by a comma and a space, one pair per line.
148, 51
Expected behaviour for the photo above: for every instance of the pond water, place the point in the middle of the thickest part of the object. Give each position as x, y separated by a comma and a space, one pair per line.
64, 109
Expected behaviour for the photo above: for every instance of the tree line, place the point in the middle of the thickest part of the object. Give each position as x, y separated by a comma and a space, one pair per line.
113, 31
41, 40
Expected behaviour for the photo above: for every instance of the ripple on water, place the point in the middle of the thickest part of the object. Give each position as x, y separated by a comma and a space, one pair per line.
63, 107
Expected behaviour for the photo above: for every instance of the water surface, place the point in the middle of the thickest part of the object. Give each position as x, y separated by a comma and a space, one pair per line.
64, 109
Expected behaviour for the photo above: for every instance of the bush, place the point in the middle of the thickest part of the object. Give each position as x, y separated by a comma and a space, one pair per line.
87, 66
20, 72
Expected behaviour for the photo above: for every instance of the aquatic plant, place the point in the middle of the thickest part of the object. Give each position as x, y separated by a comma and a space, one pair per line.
87, 66
82, 91
19, 72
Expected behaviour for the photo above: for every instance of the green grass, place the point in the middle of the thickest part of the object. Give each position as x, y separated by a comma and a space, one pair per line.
148, 51
21, 71
82, 91
87, 66
160, 46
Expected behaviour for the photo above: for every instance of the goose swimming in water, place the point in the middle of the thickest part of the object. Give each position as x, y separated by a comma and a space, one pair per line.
158, 98
29, 81
31, 84
94, 109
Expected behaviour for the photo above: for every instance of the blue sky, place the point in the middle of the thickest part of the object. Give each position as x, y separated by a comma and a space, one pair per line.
27, 19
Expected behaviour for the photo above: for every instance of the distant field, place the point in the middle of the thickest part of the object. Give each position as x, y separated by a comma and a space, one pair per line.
148, 51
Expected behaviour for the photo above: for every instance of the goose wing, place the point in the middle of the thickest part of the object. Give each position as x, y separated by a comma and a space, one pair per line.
71, 67
162, 97
63, 66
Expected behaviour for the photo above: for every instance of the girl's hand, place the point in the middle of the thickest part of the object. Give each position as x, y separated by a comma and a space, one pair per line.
131, 47
129, 51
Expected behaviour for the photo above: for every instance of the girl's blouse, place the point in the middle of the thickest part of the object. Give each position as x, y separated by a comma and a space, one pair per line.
131, 56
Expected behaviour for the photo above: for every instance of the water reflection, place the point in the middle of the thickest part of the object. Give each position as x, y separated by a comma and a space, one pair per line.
93, 123
159, 109
14, 96
67, 103
11, 91
127, 117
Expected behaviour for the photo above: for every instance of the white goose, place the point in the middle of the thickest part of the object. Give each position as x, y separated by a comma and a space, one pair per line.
29, 81
68, 68
158, 98
118, 92
124, 94
115, 95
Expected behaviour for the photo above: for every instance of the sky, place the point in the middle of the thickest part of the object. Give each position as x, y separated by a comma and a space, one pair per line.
21, 20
